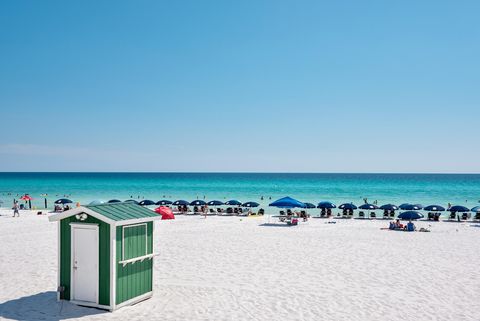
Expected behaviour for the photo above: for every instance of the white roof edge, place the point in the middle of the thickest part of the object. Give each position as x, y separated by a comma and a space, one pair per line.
137, 220
78, 210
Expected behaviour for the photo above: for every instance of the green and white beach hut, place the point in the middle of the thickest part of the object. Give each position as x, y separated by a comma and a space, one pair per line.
105, 254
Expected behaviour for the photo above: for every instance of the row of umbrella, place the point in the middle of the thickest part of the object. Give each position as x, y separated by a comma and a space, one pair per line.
288, 202
187, 203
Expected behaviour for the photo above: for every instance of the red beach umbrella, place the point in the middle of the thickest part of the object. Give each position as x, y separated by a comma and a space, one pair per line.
26, 197
166, 213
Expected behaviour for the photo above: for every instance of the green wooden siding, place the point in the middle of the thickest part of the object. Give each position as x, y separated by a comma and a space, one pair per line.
104, 257
134, 279
135, 242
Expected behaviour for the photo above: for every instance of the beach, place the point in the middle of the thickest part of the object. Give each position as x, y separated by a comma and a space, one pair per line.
252, 268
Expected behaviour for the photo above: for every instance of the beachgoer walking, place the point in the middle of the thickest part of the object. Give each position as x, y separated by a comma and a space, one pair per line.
16, 207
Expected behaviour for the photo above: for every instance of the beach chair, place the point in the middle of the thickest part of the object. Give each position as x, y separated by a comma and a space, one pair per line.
464, 216
430, 216
323, 213
350, 213
241, 212
282, 212
292, 221
436, 217
361, 214
345, 214
261, 211
392, 214
386, 214
477, 216
304, 215
212, 211
410, 227
453, 215
373, 215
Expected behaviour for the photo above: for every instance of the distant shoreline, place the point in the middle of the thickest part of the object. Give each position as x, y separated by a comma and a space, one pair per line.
239, 172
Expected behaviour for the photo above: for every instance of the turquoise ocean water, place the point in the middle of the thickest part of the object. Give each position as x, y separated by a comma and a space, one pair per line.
463, 189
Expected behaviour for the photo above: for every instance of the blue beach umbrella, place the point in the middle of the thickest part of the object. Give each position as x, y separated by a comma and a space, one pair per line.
63, 201
233, 202
402, 206
181, 202
250, 204
96, 202
389, 207
475, 209
434, 208
287, 202
411, 207
458, 208
131, 201
198, 203
347, 206
215, 203
146, 202
310, 205
410, 215
368, 207
114, 201
163, 202
326, 205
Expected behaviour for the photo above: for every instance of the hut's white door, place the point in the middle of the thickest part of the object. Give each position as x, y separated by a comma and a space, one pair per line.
85, 262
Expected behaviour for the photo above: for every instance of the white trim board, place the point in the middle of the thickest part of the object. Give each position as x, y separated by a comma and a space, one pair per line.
113, 266
59, 251
79, 210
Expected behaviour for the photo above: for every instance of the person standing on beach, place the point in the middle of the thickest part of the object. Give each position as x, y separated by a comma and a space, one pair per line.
16, 207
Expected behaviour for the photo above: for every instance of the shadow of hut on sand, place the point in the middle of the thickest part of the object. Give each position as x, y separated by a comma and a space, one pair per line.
43, 306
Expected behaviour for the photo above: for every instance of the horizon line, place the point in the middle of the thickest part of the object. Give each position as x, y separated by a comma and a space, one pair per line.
237, 172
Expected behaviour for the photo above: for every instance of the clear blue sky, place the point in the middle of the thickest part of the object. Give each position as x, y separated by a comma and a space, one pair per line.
316, 86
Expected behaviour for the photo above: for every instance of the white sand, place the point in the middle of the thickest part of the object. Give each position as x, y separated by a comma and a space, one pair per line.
227, 268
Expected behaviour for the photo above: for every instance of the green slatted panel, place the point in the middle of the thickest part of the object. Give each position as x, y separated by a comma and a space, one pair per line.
123, 211
135, 241
134, 279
